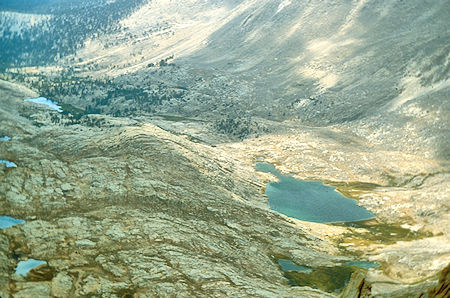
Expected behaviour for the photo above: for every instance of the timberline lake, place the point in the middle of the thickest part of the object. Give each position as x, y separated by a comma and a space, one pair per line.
310, 200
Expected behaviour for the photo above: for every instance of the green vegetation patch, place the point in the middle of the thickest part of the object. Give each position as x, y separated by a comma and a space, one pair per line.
328, 279
352, 189
377, 232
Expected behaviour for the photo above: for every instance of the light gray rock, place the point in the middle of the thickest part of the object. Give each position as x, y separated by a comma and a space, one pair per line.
66, 187
85, 243
32, 289
18, 200
62, 285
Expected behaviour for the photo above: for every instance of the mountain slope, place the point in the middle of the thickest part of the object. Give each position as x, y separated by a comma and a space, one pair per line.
167, 106
319, 61
349, 57
372, 64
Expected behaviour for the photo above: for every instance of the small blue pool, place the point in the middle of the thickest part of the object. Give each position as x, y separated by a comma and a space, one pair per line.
23, 267
9, 164
8, 221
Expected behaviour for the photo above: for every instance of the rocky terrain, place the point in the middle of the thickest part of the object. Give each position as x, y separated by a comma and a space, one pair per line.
145, 184
115, 207
118, 210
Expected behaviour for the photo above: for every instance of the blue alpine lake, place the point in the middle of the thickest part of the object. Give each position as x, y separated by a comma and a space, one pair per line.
5, 138
8, 221
8, 164
310, 200
50, 103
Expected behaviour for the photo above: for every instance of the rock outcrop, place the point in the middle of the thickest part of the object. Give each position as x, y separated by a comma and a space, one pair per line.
443, 287
364, 284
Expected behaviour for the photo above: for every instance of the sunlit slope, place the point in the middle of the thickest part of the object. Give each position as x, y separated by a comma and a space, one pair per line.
331, 61
377, 67
322, 61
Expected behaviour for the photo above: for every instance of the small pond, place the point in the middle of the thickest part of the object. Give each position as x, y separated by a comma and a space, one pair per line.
8, 221
310, 200
329, 279
23, 267
50, 103
4, 138
9, 164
